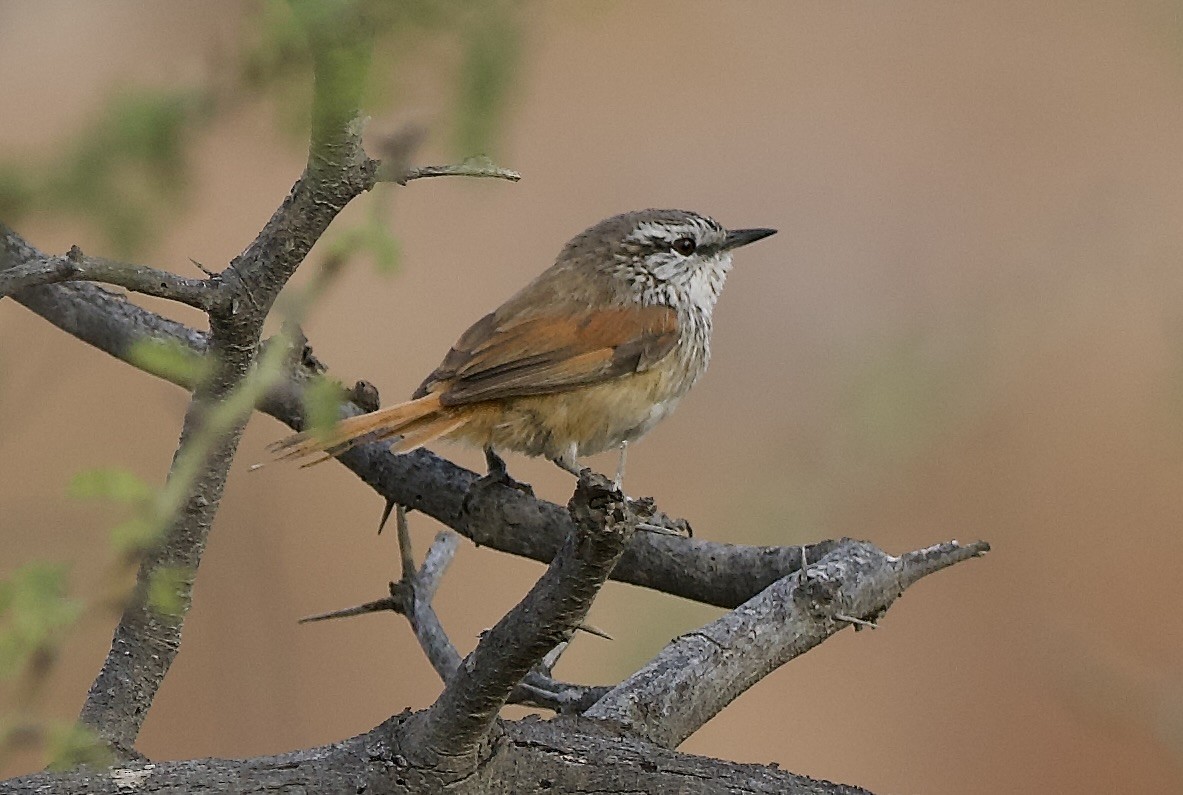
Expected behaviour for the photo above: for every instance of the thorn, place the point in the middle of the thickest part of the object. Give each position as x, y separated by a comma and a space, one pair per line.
377, 606
548, 662
858, 622
593, 630
658, 529
385, 515
202, 268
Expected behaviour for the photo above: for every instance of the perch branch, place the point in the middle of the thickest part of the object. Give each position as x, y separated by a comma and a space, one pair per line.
146, 640
74, 266
411, 597
700, 673
464, 713
558, 757
479, 168
502, 518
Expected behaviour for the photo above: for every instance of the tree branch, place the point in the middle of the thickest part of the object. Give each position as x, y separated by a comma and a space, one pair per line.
411, 597
549, 614
561, 756
74, 266
502, 518
480, 168
505, 519
146, 640
700, 673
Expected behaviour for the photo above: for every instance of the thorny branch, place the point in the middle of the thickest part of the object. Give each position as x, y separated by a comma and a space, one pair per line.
411, 597
498, 517
503, 518
469, 168
700, 673
458, 742
237, 302
549, 614
74, 266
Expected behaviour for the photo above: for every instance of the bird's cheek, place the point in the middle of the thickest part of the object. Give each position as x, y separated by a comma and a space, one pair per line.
666, 271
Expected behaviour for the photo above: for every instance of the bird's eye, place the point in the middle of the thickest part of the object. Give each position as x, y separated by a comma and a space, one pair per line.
684, 246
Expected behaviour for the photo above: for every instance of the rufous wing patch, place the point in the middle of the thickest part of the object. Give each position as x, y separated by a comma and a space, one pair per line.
552, 353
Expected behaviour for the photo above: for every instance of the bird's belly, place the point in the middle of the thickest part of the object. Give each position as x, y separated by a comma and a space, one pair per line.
591, 419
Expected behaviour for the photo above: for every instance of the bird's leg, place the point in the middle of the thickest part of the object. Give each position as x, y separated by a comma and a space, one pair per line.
568, 461
497, 475
618, 483
495, 465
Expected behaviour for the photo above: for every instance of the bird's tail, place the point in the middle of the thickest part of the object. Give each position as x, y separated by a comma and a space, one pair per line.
415, 423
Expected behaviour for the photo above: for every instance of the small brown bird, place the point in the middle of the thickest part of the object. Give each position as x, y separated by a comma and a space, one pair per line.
587, 357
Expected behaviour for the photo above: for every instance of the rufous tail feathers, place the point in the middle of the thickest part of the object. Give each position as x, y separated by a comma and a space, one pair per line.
415, 423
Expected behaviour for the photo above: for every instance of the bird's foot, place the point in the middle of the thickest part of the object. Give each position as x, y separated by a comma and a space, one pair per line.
657, 522
497, 475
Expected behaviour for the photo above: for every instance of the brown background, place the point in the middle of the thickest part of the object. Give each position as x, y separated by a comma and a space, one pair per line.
968, 327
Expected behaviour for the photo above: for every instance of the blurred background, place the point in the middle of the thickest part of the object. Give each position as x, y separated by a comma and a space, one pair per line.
969, 327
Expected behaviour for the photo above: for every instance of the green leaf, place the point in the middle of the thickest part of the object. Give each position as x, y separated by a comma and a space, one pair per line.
135, 536
345, 244
322, 404
120, 485
167, 588
34, 611
170, 360
128, 166
372, 237
383, 247
72, 745
490, 59
16, 191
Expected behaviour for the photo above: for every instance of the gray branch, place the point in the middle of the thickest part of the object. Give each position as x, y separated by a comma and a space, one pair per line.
146, 640
411, 598
458, 743
74, 266
625, 750
497, 517
549, 614
560, 757
700, 673
479, 168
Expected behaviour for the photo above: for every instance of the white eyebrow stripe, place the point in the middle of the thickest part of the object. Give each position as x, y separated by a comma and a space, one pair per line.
648, 230
700, 228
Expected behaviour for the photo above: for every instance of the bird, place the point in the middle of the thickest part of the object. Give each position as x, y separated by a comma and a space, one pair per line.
587, 357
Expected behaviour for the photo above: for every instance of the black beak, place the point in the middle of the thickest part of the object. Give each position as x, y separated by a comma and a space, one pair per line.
741, 237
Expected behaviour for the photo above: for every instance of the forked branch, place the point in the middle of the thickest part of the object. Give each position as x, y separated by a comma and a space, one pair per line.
411, 597
498, 517
75, 266
549, 614
700, 673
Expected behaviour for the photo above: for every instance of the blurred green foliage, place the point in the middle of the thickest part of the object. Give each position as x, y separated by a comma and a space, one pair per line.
371, 236
69, 745
135, 534
118, 485
35, 611
169, 360
127, 170
492, 41
165, 589
322, 404
890, 403
123, 171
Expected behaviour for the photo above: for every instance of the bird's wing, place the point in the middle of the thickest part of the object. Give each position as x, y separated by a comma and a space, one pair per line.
513, 357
